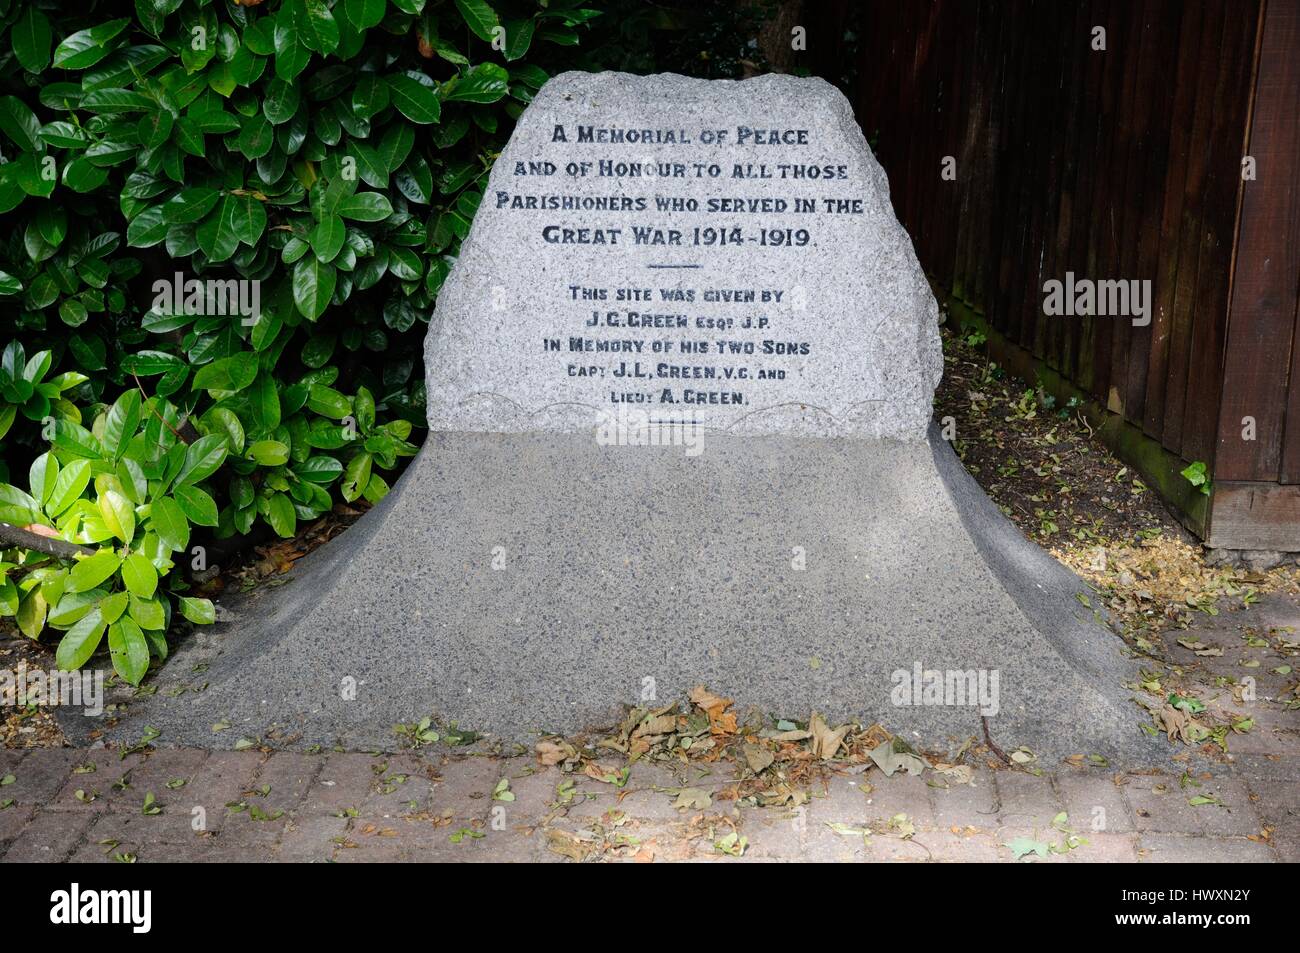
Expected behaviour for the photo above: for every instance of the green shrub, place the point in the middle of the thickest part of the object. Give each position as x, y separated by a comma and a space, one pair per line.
330, 155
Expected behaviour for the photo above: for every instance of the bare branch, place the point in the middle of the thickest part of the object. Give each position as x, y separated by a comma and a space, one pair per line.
13, 536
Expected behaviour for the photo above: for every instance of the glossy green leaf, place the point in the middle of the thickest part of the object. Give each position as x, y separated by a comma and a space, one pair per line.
327, 237
228, 375
92, 570
280, 514
485, 83
313, 286
139, 575
364, 13
479, 17
128, 649
268, 453
197, 505
414, 100
198, 611
169, 522
189, 205
204, 457
366, 207
87, 47
80, 642
121, 423
149, 613
43, 477
31, 38
356, 476
20, 124
118, 515
68, 487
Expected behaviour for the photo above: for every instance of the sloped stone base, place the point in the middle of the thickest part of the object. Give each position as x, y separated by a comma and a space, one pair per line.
517, 583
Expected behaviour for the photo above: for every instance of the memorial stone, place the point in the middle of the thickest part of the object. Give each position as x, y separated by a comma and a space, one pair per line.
680, 386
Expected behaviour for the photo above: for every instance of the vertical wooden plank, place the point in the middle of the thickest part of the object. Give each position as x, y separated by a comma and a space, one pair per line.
1094, 335
934, 80
1074, 362
1016, 155
1261, 350
1123, 240
1024, 139
1074, 55
1171, 221
1014, 95
917, 104
972, 165
1125, 43
991, 201
1184, 306
1218, 225
1160, 61
1052, 115
957, 34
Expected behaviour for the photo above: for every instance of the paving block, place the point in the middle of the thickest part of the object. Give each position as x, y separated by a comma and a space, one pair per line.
344, 783
12, 820
901, 794
223, 777
162, 767
464, 781
824, 845
310, 838
290, 775
1237, 815
1094, 802
41, 777
170, 827
1026, 800
774, 834
845, 800
533, 786
1192, 849
10, 758
1158, 804
242, 829
979, 847
1042, 834
49, 837
1266, 766
1105, 847
966, 805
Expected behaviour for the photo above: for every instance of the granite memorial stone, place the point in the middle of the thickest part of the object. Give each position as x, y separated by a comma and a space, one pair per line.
680, 387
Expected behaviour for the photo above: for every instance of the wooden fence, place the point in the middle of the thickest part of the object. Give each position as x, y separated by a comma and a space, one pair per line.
1171, 156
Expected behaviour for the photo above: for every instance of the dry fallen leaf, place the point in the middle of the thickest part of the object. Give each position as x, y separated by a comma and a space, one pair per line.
721, 721
554, 752
758, 758
825, 741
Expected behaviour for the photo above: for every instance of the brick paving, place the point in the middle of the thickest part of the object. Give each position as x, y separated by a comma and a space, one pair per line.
89, 806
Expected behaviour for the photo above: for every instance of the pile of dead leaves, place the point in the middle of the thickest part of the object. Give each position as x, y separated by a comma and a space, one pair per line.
777, 761
27, 725
1162, 583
